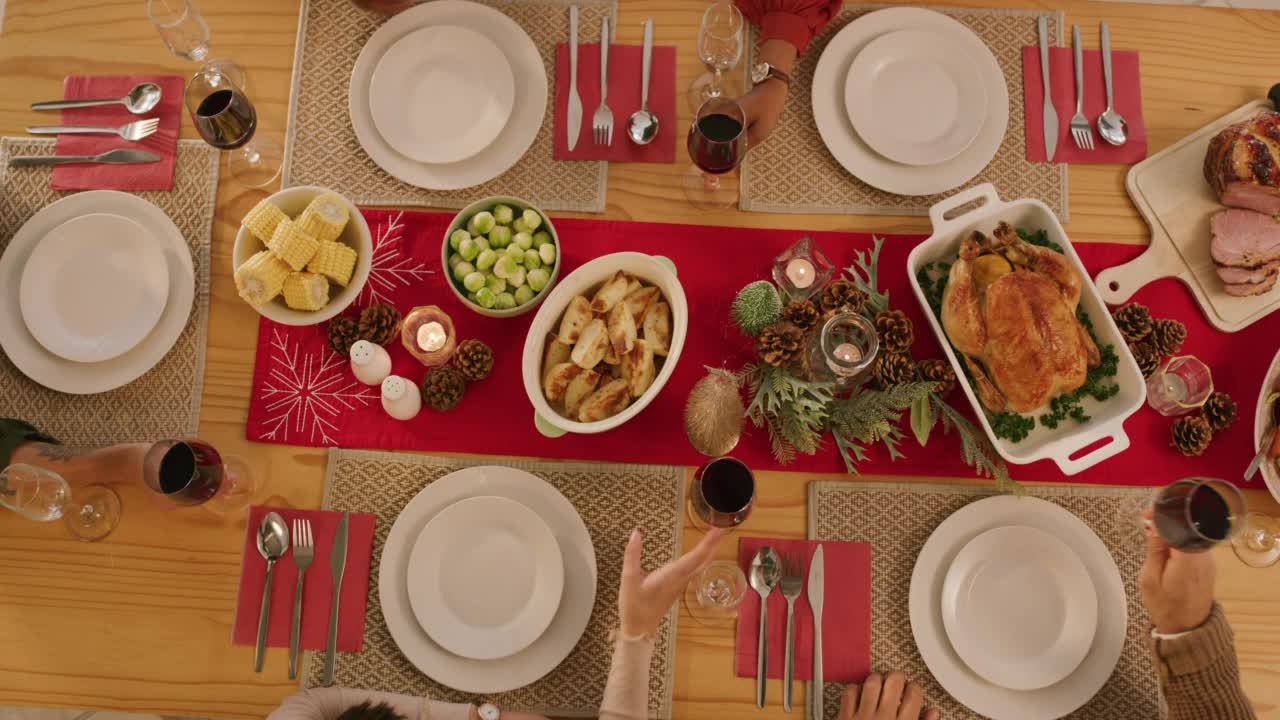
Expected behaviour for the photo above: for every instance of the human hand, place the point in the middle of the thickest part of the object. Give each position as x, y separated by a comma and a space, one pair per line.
762, 107
1177, 587
644, 598
891, 698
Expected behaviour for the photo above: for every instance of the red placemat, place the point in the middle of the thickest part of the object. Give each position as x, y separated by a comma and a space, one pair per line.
1062, 76
145, 176
846, 614
304, 394
317, 589
624, 99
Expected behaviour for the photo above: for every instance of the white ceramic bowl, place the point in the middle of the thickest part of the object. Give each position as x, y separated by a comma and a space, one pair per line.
460, 221
356, 234
652, 270
1261, 425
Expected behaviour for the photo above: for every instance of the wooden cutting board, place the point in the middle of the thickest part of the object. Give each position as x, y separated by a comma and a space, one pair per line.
1171, 193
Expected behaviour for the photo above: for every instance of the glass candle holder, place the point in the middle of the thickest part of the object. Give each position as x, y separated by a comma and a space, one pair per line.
1179, 386
843, 350
802, 270
427, 333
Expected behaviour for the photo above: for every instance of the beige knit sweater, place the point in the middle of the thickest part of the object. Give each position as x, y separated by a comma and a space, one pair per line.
1200, 674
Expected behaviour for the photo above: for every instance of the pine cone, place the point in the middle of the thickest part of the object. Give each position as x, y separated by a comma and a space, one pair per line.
842, 295
443, 388
342, 334
938, 371
779, 344
1134, 321
379, 323
1167, 336
474, 360
893, 369
894, 329
801, 313
1219, 410
1146, 355
1191, 435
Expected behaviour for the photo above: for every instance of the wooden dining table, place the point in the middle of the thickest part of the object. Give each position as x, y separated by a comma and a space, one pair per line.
142, 621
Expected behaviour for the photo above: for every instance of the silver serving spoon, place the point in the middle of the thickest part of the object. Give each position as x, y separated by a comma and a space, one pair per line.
643, 127
141, 99
766, 569
1111, 126
273, 543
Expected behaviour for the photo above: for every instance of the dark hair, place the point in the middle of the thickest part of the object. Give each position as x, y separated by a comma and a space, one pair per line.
368, 711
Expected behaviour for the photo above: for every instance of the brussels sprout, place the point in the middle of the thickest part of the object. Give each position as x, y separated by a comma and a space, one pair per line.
473, 281
503, 214
456, 238
472, 298
532, 260
538, 279
463, 269
496, 284
469, 249
524, 240
506, 301
454, 259
486, 259
540, 238
547, 253
532, 219
505, 267
517, 278
524, 294
480, 223
500, 237
519, 225
515, 252
486, 298
482, 242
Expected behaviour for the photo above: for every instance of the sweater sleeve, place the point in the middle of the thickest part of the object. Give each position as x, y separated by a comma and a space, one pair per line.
626, 693
795, 21
329, 703
15, 432
1200, 674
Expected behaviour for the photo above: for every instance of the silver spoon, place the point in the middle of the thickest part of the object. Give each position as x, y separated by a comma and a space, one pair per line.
140, 100
644, 124
1111, 126
273, 543
765, 571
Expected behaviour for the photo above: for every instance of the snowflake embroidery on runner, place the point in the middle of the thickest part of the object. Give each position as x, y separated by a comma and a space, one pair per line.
391, 269
306, 393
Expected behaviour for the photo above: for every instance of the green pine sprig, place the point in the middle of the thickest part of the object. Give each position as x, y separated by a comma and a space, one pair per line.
864, 273
870, 416
794, 411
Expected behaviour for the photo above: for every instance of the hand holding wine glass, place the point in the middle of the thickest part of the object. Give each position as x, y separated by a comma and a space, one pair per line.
1177, 587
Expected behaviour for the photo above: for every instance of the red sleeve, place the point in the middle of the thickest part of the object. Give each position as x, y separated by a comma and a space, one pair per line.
794, 21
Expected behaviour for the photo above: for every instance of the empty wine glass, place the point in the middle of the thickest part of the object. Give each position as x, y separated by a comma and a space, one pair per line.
227, 120
90, 512
186, 34
714, 595
717, 142
1258, 544
720, 40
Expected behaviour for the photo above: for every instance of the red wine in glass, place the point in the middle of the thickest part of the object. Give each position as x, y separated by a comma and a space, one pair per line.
185, 472
1194, 515
722, 493
226, 119
715, 143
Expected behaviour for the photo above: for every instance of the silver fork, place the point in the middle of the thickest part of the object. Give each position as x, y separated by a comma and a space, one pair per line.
792, 582
1081, 130
132, 132
602, 121
304, 551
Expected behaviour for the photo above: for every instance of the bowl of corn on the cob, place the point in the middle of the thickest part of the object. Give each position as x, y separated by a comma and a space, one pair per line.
302, 255
503, 256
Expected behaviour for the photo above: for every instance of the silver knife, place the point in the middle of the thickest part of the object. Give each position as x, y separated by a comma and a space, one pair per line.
573, 121
337, 565
817, 586
1050, 114
111, 157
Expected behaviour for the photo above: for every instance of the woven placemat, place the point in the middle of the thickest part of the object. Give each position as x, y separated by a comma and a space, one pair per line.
612, 499
793, 172
165, 402
321, 147
897, 519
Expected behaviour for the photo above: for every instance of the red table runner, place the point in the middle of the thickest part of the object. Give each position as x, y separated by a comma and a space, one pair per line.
304, 394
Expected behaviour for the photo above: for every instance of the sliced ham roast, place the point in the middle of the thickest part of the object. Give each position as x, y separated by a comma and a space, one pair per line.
1247, 276
1247, 289
1245, 239
1243, 164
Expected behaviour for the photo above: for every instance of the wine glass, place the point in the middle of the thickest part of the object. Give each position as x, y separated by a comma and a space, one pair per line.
1258, 544
1194, 514
186, 34
193, 472
720, 40
717, 142
90, 512
721, 494
227, 120
714, 595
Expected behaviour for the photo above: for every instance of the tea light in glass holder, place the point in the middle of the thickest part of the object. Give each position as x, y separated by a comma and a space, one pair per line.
843, 350
1179, 386
802, 270
427, 333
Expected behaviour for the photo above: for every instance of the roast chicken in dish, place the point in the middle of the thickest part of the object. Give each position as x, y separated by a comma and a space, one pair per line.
1010, 309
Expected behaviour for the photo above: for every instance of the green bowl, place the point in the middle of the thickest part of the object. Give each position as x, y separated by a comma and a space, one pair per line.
460, 221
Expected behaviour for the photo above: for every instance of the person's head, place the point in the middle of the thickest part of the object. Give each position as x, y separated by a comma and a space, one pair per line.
370, 711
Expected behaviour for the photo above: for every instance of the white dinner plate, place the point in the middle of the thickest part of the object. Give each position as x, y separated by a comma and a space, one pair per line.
485, 577
63, 375
1019, 607
487, 677
855, 155
927, 625
1262, 429
915, 97
441, 94
526, 114
94, 287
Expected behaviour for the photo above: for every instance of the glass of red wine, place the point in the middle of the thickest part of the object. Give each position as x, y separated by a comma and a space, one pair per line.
226, 119
721, 495
717, 143
1195, 514
192, 472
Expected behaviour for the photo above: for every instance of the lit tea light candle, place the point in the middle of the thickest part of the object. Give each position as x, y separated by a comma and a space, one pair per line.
431, 336
800, 272
427, 333
847, 353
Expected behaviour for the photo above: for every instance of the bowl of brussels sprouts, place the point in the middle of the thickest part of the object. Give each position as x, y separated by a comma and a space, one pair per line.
502, 255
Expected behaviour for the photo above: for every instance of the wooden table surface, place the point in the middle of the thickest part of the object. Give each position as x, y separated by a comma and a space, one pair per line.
142, 622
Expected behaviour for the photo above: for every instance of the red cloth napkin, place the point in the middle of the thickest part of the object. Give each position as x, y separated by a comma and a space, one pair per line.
146, 176
846, 614
1062, 75
624, 99
317, 591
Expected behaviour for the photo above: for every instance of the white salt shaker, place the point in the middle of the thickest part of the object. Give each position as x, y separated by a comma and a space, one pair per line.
401, 398
370, 363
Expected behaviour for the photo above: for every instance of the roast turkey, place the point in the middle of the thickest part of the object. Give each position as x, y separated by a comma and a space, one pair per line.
1243, 164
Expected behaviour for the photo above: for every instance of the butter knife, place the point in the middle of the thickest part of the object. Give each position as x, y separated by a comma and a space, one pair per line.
573, 118
1050, 113
111, 157
337, 565
817, 587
